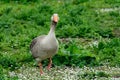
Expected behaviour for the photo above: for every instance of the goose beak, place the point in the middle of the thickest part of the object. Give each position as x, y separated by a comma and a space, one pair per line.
55, 18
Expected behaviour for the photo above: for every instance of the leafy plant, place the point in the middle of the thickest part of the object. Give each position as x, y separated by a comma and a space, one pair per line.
91, 20
107, 50
102, 74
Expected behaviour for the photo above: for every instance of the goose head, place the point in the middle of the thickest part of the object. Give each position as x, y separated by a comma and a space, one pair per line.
55, 18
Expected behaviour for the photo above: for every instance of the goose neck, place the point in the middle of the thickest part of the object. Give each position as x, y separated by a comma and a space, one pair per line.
52, 29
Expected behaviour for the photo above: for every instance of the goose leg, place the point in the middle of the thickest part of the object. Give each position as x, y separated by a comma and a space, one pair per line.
40, 66
50, 63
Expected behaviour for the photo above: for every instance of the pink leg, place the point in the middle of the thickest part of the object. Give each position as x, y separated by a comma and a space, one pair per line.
40, 66
50, 64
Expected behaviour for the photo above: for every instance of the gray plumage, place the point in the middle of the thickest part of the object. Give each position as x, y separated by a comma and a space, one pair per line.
34, 44
45, 46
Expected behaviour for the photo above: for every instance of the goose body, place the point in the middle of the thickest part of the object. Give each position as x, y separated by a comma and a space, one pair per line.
45, 46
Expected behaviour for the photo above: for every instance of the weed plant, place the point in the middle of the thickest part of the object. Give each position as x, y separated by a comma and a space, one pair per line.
91, 20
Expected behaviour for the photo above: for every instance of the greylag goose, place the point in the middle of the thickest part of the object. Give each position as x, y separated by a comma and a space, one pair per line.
45, 46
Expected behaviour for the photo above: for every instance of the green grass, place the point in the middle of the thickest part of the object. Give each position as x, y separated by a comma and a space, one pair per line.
88, 32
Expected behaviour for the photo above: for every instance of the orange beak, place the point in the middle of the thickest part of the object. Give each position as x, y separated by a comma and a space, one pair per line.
55, 18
